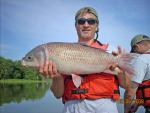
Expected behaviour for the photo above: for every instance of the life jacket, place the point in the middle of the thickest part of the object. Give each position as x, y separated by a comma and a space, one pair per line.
93, 86
143, 91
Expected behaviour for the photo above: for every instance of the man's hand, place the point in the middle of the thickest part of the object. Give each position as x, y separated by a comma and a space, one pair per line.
119, 52
123, 78
131, 108
49, 70
134, 108
115, 66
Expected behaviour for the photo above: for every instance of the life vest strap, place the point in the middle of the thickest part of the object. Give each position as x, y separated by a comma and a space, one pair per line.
143, 87
80, 91
147, 98
116, 92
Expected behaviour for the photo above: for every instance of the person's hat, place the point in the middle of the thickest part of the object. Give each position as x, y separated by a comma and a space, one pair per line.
89, 9
138, 38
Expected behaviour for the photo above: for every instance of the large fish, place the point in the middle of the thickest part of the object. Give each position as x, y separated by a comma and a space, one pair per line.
76, 58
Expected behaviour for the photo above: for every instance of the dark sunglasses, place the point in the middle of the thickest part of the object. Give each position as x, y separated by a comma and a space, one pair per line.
90, 21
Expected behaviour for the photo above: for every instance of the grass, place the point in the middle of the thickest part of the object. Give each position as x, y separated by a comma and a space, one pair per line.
18, 81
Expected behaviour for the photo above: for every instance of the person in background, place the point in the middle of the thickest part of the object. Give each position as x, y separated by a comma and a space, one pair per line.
140, 85
98, 91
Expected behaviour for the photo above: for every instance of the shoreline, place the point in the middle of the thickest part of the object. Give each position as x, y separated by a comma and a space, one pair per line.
21, 81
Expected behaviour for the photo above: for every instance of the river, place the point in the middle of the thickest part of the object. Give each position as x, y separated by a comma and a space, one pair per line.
32, 98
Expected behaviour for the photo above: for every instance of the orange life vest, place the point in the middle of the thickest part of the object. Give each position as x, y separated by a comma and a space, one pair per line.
93, 86
143, 92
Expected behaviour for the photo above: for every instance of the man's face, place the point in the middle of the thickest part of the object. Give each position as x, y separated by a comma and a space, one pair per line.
86, 30
140, 48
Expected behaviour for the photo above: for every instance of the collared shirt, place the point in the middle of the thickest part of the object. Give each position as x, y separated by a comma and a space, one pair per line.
142, 68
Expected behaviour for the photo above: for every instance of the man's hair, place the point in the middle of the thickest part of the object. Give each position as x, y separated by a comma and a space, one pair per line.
86, 10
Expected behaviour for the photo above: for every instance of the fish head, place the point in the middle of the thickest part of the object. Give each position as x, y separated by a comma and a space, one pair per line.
35, 58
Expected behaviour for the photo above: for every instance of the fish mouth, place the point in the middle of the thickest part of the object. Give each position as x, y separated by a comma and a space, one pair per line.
23, 63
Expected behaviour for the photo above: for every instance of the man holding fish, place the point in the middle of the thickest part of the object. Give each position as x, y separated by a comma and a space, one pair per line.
80, 71
98, 92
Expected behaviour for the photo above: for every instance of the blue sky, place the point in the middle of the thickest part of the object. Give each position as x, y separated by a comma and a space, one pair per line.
25, 24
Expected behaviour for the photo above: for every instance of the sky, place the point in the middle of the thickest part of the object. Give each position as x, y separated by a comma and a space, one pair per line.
25, 24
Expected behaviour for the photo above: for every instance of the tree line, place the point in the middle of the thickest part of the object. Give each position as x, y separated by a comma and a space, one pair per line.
10, 69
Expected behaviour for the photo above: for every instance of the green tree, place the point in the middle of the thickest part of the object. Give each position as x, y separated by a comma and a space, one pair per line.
6, 67
14, 70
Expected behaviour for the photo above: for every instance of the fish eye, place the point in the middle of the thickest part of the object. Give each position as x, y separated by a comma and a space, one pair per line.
29, 57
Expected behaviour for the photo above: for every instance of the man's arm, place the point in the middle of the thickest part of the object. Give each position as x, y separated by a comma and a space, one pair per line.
57, 86
140, 69
129, 97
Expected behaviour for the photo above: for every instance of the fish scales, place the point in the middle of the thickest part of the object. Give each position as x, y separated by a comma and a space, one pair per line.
79, 54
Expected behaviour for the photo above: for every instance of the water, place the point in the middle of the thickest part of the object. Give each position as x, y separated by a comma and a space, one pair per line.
28, 98
32, 98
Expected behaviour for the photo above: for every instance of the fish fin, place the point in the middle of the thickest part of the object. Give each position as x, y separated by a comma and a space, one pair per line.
76, 80
125, 63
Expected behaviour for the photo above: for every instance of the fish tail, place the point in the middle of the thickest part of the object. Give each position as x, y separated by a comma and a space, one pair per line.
125, 63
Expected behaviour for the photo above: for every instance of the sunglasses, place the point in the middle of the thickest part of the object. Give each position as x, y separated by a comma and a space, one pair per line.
90, 21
